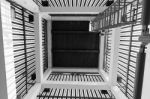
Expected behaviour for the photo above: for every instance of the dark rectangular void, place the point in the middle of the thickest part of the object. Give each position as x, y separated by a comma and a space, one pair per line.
73, 46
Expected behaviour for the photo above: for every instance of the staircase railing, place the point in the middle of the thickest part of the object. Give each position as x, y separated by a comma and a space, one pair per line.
120, 13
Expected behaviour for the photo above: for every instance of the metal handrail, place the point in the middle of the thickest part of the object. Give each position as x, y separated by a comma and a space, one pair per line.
116, 15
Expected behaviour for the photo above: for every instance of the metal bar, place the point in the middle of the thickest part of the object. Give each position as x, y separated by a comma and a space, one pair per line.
98, 1
69, 3
101, 3
23, 19
80, 3
56, 3
52, 3
93, 3
37, 2
89, 3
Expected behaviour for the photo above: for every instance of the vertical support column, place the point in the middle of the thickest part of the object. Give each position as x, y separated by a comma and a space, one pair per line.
146, 80
114, 56
101, 57
38, 47
49, 28
7, 66
142, 72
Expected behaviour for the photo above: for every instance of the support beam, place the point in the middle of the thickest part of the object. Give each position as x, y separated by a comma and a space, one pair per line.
76, 85
101, 56
72, 10
49, 28
72, 18
75, 69
38, 47
114, 56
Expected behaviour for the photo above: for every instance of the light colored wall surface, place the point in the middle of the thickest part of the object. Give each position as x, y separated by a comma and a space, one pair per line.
33, 92
101, 55
72, 18
38, 47
114, 56
118, 93
3, 85
146, 83
7, 70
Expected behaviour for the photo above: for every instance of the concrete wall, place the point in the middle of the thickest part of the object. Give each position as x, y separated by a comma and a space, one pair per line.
146, 81
7, 66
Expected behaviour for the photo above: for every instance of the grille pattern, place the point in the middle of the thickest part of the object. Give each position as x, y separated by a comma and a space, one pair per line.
44, 44
107, 50
84, 77
72, 3
54, 93
24, 49
129, 47
121, 12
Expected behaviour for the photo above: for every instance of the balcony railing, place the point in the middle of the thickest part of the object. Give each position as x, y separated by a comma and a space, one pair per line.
120, 13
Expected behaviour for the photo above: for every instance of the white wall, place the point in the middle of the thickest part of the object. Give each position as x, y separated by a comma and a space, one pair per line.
7, 66
101, 55
73, 18
38, 47
146, 83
